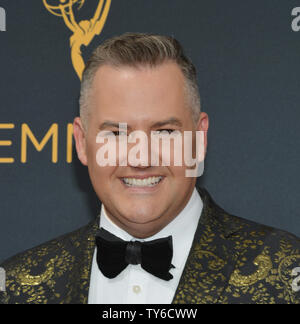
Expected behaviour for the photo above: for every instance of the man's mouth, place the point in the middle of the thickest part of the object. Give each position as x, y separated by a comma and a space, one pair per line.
145, 182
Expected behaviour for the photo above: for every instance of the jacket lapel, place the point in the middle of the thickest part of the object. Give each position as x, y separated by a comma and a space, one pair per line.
211, 259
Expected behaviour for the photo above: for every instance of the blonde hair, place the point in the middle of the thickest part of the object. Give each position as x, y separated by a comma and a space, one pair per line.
139, 49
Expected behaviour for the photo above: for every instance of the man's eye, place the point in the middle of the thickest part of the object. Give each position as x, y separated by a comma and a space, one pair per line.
118, 133
169, 131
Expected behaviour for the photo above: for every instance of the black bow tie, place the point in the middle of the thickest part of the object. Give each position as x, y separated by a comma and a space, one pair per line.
114, 254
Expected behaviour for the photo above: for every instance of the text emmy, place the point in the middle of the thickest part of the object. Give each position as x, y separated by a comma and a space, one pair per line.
2, 19
27, 134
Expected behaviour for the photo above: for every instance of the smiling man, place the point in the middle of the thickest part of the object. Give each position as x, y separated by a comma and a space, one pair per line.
135, 96
159, 238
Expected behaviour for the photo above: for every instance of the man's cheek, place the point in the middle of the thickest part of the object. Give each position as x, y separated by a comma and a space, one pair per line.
91, 150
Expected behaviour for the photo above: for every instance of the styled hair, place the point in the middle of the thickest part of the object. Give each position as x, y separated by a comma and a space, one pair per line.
140, 49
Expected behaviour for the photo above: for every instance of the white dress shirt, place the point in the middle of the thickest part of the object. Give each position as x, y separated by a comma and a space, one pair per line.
134, 285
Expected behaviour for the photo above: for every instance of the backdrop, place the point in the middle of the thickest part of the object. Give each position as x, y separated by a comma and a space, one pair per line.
247, 55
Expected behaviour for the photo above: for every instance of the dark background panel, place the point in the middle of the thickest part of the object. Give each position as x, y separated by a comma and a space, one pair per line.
247, 57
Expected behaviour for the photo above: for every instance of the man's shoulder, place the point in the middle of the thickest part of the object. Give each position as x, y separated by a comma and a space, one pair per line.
264, 260
267, 268
44, 263
269, 235
249, 228
242, 228
47, 249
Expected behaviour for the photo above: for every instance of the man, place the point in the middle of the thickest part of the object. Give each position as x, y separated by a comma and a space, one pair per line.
159, 238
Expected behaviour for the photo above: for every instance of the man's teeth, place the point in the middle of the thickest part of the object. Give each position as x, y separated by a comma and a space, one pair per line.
150, 182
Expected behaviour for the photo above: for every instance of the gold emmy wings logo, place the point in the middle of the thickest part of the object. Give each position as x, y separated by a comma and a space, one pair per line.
84, 31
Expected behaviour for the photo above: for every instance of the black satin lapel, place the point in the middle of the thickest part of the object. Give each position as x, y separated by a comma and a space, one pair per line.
210, 261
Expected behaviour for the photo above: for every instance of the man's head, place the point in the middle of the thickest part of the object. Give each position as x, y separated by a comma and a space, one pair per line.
148, 83
139, 50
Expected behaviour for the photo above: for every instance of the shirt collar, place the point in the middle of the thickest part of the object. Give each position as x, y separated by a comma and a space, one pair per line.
182, 228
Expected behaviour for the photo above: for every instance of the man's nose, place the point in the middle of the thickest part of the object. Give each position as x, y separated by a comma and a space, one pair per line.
139, 151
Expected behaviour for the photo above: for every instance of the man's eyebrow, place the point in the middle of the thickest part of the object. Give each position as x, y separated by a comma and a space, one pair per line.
170, 121
109, 123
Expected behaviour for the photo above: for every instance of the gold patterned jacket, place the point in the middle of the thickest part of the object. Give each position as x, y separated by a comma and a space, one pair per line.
232, 260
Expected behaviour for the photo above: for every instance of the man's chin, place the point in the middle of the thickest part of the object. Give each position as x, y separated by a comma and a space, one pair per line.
142, 230
140, 219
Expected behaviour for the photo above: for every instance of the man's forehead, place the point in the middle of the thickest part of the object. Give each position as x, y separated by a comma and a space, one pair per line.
137, 101
137, 89
127, 72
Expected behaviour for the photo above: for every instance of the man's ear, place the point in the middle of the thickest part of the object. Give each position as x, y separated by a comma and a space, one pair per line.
80, 140
203, 125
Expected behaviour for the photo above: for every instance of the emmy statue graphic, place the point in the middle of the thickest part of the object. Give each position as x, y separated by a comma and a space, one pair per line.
84, 31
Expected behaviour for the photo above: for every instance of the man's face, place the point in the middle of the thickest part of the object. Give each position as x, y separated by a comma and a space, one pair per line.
142, 98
